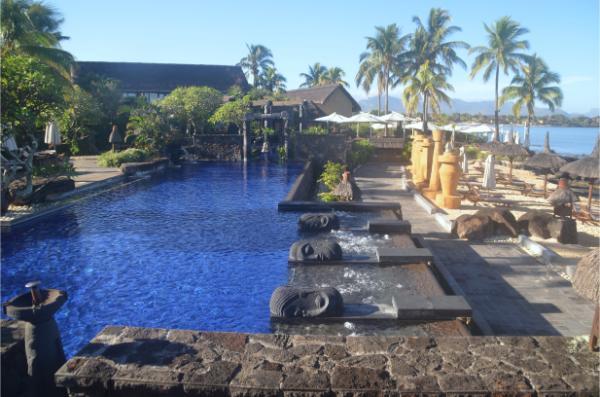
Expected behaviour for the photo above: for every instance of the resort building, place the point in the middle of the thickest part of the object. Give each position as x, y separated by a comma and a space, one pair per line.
156, 80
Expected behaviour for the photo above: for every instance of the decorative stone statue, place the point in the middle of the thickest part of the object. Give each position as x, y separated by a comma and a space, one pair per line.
291, 302
43, 346
315, 250
318, 222
449, 174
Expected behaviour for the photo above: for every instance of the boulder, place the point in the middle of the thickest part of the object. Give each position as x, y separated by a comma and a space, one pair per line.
474, 227
291, 302
314, 223
564, 230
42, 187
503, 220
315, 250
586, 280
535, 223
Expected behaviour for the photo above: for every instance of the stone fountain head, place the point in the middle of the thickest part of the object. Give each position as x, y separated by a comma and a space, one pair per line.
43, 346
320, 222
36, 306
292, 302
315, 250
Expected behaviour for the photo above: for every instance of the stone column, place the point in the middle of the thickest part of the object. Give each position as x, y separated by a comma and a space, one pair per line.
416, 164
425, 162
434, 180
449, 173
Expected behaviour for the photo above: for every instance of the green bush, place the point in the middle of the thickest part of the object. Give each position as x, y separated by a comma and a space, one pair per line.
332, 174
115, 159
361, 152
316, 130
64, 168
328, 197
407, 149
474, 153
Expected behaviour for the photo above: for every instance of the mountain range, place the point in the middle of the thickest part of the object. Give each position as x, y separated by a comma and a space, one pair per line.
471, 107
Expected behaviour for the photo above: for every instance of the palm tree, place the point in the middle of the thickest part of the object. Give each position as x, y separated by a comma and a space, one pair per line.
334, 75
429, 46
272, 80
314, 76
258, 59
428, 87
383, 57
533, 81
369, 71
502, 52
30, 28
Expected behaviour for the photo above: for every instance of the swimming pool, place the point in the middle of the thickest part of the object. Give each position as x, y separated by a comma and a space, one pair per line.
198, 248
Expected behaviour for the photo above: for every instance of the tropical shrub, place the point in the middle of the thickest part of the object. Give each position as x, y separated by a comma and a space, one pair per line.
328, 197
115, 159
148, 129
190, 108
316, 130
232, 112
63, 168
31, 95
361, 152
332, 174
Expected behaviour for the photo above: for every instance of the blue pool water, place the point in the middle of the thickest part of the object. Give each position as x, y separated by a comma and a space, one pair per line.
198, 248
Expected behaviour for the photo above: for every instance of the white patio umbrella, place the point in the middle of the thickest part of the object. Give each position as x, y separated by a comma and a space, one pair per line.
52, 135
477, 129
465, 162
508, 138
517, 138
10, 144
363, 117
418, 125
332, 118
489, 174
394, 117
526, 142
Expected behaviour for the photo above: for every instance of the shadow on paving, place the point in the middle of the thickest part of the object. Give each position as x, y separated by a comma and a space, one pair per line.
503, 307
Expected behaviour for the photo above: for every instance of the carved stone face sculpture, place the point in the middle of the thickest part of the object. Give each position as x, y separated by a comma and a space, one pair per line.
315, 250
291, 302
318, 222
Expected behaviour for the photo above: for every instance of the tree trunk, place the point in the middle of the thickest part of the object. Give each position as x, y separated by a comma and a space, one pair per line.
510, 167
425, 113
496, 108
528, 124
245, 140
379, 101
387, 84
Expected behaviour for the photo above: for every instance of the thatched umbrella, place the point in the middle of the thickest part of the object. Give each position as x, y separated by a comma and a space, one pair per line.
546, 162
509, 150
586, 168
114, 137
587, 276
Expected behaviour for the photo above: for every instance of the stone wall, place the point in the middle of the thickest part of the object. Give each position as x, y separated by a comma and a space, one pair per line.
303, 186
321, 147
13, 361
142, 362
227, 147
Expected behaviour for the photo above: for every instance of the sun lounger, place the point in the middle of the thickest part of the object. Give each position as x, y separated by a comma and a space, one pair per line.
475, 197
584, 217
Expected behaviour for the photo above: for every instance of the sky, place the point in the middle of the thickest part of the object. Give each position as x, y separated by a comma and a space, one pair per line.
299, 33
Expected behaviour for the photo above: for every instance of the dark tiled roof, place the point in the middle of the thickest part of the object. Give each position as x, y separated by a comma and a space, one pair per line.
164, 77
320, 94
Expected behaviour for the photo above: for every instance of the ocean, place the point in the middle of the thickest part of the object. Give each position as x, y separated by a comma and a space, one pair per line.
563, 140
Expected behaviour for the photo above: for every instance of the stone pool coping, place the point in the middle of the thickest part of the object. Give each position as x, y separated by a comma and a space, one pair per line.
145, 361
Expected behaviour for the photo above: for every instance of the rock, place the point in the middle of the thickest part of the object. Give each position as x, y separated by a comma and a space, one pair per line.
318, 222
474, 227
289, 302
315, 250
586, 280
504, 221
535, 223
42, 187
564, 230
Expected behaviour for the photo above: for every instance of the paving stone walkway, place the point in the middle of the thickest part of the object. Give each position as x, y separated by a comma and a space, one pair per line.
516, 294
88, 171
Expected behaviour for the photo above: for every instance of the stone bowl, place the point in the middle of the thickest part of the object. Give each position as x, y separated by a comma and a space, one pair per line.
21, 306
